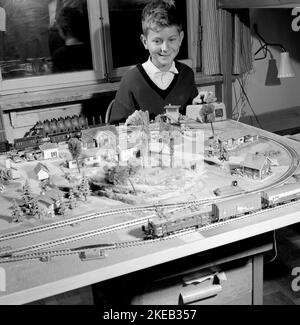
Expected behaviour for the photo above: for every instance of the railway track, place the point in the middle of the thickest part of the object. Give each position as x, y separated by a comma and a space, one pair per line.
99, 250
39, 251
36, 250
93, 216
77, 237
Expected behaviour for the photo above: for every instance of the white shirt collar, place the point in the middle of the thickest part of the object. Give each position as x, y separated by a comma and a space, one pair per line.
161, 78
151, 69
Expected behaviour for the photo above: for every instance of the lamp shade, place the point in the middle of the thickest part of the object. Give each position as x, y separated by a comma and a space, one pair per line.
285, 69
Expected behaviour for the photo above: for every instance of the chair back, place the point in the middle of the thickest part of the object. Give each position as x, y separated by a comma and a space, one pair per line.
108, 111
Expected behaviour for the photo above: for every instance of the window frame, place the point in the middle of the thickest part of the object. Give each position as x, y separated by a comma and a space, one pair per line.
98, 15
60, 80
192, 13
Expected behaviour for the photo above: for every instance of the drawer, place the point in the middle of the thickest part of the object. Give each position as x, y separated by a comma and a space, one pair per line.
227, 284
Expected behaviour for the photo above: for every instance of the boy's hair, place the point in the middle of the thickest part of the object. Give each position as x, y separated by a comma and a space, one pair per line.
159, 14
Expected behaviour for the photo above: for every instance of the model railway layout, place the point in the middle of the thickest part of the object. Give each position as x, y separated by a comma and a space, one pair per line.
75, 220
157, 222
179, 222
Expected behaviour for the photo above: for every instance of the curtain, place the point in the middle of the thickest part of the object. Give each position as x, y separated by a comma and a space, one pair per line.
211, 45
213, 39
242, 55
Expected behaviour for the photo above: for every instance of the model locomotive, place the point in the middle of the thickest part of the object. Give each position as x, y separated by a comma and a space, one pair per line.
167, 226
222, 211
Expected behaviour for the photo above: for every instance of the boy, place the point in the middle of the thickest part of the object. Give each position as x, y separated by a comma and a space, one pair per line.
161, 80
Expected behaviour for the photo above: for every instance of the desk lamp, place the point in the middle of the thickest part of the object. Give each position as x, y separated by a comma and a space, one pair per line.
285, 68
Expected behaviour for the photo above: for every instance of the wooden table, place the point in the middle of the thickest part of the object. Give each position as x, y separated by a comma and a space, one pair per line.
29, 281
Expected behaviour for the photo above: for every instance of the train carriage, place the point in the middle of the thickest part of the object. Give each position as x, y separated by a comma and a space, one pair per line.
27, 142
280, 195
236, 207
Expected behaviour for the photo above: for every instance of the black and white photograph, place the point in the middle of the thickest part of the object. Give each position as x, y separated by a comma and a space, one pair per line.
149, 155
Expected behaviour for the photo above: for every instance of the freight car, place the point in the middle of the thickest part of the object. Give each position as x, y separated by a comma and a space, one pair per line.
236, 207
280, 195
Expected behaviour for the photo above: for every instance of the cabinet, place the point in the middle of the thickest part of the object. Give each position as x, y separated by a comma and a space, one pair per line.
231, 275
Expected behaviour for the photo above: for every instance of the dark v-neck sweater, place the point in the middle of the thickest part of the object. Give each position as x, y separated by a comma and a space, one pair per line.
138, 92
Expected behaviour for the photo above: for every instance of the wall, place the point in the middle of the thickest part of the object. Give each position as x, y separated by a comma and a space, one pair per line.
276, 104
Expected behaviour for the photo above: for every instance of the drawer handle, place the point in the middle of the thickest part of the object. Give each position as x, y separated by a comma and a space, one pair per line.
200, 291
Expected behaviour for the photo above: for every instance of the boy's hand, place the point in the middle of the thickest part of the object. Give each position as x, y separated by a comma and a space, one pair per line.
200, 98
204, 97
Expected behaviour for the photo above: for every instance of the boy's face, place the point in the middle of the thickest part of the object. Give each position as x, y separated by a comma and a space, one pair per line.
163, 46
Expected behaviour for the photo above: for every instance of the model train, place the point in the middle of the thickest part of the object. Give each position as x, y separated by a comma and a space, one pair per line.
55, 131
222, 211
179, 221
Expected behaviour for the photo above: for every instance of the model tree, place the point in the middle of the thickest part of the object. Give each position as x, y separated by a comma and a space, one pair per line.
17, 214
78, 193
27, 195
75, 148
72, 199
84, 188
62, 209
41, 213
120, 175
34, 208
44, 185
5, 176
207, 115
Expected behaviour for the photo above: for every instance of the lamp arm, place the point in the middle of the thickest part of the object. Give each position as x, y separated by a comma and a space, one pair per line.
265, 45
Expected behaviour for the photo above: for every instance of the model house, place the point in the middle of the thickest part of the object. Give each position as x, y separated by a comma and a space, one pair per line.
256, 166
99, 137
234, 139
49, 150
41, 171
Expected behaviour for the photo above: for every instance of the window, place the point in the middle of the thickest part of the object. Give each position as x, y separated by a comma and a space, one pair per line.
29, 37
122, 21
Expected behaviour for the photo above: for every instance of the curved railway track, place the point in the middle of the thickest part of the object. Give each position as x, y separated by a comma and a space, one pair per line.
89, 234
39, 251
